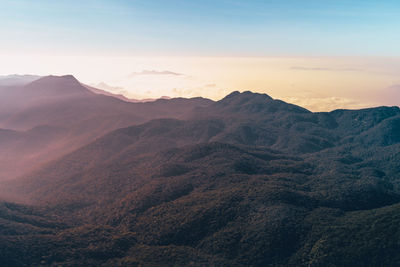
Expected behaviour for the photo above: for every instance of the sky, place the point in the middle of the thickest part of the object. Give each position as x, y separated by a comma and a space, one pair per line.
321, 54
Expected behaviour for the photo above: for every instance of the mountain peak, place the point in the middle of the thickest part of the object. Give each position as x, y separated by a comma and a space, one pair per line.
255, 103
54, 78
66, 84
247, 97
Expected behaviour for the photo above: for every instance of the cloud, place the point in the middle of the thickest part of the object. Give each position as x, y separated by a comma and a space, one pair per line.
104, 86
213, 92
154, 84
317, 104
323, 69
154, 72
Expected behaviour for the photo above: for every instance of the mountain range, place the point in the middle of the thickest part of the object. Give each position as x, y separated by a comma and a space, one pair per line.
89, 179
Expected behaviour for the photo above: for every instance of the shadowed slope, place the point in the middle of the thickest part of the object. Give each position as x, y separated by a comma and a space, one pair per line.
245, 181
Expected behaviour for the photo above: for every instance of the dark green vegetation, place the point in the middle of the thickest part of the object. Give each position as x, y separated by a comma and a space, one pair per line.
245, 181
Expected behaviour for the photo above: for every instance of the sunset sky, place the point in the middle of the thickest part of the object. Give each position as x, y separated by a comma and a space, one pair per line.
319, 54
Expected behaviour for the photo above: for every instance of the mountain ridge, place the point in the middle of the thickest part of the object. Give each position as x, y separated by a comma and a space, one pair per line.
62, 102
244, 181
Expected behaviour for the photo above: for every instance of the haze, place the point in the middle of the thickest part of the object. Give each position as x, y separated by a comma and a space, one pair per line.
318, 55
199, 133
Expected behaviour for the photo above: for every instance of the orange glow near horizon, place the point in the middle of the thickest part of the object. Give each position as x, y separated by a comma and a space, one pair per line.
317, 83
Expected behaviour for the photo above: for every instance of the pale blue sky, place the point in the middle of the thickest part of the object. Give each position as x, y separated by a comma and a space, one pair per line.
201, 27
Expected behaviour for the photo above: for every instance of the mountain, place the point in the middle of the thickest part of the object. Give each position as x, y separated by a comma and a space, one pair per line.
307, 136
103, 92
52, 100
17, 80
65, 101
244, 181
78, 114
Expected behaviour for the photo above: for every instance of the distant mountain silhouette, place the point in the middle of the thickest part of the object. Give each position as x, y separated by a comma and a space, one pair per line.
17, 80
56, 85
244, 181
103, 92
105, 89
64, 103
